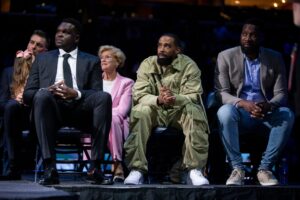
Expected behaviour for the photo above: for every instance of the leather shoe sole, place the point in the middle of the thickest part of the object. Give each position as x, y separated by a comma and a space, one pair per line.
49, 181
105, 181
50, 177
118, 179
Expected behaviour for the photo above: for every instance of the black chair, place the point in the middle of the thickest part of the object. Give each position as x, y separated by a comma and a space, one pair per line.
70, 147
73, 149
164, 148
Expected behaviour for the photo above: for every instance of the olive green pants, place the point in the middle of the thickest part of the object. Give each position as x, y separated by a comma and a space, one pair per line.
190, 118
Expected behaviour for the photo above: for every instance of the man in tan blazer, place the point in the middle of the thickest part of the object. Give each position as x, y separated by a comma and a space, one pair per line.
251, 84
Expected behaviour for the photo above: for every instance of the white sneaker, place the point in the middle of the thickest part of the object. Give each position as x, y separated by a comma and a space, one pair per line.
195, 177
134, 178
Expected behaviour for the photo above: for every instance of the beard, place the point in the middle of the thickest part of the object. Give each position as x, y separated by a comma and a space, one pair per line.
250, 50
164, 61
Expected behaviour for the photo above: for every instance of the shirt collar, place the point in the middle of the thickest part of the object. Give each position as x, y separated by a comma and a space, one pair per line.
256, 60
175, 64
72, 53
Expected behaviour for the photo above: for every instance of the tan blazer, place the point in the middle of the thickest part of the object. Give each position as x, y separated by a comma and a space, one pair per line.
229, 76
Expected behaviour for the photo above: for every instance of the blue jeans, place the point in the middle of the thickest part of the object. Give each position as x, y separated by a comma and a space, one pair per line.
234, 121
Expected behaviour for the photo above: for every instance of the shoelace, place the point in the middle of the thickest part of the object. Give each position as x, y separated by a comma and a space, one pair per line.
135, 173
235, 173
198, 172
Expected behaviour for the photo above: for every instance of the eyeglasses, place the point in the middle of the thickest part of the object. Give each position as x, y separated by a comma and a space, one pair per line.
109, 58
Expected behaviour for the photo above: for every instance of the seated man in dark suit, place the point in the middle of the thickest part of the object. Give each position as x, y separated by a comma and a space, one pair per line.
64, 88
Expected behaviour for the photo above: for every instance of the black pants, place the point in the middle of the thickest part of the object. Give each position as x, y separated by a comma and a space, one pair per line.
16, 119
91, 114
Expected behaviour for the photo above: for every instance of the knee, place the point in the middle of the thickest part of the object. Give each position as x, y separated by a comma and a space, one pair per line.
116, 120
142, 112
287, 115
226, 113
103, 98
11, 105
42, 96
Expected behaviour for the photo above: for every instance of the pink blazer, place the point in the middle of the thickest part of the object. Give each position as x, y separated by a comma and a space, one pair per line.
121, 95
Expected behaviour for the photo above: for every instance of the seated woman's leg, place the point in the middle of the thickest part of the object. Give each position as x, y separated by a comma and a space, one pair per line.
115, 143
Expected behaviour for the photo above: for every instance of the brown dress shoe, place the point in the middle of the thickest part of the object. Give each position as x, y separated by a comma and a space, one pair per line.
95, 176
118, 172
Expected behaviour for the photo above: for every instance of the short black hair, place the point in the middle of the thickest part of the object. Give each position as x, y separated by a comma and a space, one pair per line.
42, 34
75, 22
256, 22
177, 41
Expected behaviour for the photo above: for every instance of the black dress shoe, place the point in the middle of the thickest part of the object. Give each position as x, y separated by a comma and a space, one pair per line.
95, 176
50, 177
118, 179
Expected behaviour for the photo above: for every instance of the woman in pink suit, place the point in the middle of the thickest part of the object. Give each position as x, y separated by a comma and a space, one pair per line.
120, 88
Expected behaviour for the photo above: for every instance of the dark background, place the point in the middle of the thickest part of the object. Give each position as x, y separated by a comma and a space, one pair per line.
135, 26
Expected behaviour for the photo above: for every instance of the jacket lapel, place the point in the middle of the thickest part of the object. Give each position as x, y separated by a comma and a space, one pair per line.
263, 70
52, 69
115, 87
80, 70
239, 71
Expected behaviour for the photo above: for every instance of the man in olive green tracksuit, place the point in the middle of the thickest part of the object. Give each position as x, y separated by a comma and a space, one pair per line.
168, 92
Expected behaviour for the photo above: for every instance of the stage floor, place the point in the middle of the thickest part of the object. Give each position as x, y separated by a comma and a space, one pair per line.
30, 190
75, 187
24, 189
156, 191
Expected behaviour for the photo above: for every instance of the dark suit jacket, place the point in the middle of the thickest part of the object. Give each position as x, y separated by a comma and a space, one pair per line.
43, 72
6, 79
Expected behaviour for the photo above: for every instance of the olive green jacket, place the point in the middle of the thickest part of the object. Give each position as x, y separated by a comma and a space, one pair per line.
182, 77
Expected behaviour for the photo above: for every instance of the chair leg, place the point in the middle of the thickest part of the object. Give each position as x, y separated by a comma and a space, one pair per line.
38, 163
107, 162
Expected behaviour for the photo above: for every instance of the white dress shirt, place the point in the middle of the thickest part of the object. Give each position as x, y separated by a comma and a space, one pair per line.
72, 62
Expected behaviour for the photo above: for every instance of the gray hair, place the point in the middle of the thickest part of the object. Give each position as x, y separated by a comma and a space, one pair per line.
116, 52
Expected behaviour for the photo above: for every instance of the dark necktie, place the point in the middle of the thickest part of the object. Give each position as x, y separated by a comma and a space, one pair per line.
67, 71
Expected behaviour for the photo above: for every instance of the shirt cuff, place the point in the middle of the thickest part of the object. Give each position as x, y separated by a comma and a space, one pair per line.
237, 104
78, 95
